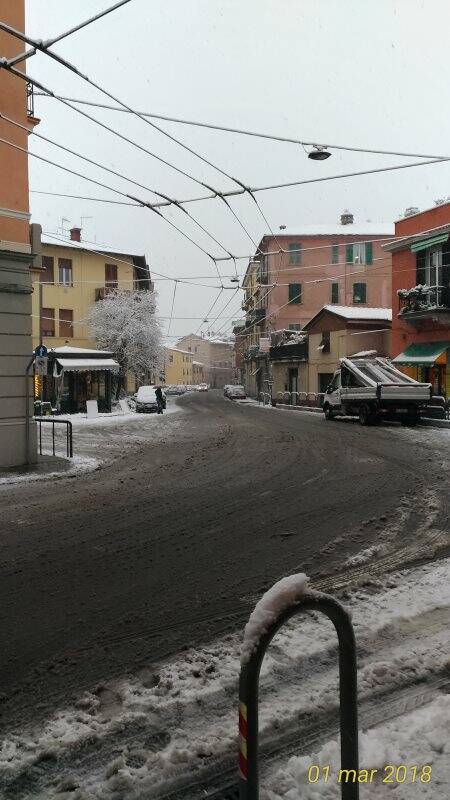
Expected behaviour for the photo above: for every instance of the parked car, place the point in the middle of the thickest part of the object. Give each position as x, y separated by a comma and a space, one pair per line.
146, 401
203, 387
236, 393
175, 390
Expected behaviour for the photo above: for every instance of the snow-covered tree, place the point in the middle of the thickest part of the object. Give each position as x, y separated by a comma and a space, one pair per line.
125, 323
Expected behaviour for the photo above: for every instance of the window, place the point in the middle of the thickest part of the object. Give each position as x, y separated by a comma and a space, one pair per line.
65, 271
335, 293
359, 293
324, 345
295, 253
359, 253
66, 322
47, 275
335, 254
295, 293
295, 326
48, 322
170, 359
111, 281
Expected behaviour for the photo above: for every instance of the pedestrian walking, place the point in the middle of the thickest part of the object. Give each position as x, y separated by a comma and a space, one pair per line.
159, 399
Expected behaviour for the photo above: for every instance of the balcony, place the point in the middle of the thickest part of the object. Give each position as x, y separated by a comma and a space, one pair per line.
251, 353
297, 351
257, 315
425, 303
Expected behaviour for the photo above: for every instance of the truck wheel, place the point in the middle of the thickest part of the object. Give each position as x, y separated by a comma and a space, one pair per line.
365, 415
328, 411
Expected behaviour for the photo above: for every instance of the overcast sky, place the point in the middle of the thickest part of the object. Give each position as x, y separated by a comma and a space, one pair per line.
369, 74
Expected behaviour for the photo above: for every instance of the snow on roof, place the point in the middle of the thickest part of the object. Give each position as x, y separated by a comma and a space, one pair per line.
198, 363
285, 592
88, 246
178, 350
337, 229
356, 312
82, 351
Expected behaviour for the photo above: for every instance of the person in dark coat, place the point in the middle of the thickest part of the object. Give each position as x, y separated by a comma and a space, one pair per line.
159, 399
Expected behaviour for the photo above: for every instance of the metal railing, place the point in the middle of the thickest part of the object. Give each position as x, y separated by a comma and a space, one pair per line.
265, 398
313, 399
249, 685
68, 437
421, 298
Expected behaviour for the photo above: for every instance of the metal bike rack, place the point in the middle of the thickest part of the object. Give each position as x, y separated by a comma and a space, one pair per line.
249, 685
69, 435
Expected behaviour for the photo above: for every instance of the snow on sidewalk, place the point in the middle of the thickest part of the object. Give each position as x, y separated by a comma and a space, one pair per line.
177, 717
419, 739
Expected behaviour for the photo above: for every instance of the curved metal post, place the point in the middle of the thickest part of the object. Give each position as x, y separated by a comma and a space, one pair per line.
248, 695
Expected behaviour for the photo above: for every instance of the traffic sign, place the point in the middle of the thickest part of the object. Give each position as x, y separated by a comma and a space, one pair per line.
40, 351
41, 365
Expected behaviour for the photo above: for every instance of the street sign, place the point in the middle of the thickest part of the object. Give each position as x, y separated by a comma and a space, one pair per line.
41, 365
41, 351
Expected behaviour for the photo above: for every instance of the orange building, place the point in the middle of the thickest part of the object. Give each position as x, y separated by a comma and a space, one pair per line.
15, 255
421, 296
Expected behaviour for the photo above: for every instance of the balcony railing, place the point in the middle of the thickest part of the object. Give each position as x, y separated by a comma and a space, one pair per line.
423, 302
297, 351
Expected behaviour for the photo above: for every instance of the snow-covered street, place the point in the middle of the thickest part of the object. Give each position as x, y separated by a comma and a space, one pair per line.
122, 680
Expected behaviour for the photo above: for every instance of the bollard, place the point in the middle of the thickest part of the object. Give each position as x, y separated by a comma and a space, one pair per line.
249, 683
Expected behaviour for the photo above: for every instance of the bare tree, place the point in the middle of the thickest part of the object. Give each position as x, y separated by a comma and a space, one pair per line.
125, 322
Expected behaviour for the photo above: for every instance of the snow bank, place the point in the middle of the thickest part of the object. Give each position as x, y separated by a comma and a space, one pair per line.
75, 466
418, 738
285, 592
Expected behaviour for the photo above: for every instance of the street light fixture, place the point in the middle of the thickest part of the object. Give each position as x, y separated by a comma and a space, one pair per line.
320, 153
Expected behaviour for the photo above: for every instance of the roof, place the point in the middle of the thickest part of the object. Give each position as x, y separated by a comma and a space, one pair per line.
405, 241
355, 314
337, 229
59, 241
421, 354
81, 351
178, 350
198, 363
424, 211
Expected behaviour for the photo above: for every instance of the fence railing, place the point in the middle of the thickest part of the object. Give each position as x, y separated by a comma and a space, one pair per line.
313, 399
265, 398
40, 421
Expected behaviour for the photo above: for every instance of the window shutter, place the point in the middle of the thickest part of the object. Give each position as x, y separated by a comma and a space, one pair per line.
349, 254
335, 254
295, 293
369, 253
421, 278
335, 293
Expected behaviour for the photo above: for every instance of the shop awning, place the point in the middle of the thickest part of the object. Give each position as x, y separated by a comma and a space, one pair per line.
421, 354
424, 243
88, 364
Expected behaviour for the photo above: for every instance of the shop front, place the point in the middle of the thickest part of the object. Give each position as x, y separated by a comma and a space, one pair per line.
428, 362
77, 375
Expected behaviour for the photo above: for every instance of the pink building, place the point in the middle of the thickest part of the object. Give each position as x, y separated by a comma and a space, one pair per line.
303, 269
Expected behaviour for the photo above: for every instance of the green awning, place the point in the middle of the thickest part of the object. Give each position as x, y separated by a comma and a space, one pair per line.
421, 355
422, 245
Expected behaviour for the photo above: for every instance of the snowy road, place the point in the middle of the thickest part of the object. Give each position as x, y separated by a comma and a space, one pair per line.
166, 546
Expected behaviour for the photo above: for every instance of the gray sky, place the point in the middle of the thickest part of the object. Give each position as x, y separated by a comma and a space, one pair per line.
369, 74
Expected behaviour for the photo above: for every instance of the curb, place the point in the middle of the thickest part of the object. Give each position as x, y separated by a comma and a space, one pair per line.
285, 407
426, 422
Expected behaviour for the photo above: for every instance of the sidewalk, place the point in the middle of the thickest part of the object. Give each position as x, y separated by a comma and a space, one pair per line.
48, 467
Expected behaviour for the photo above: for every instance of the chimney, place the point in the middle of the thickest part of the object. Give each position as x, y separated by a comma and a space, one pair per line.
409, 212
282, 227
346, 218
75, 234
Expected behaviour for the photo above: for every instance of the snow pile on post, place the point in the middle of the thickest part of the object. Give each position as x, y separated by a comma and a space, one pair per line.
276, 600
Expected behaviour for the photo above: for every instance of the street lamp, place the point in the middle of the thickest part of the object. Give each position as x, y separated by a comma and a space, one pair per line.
320, 153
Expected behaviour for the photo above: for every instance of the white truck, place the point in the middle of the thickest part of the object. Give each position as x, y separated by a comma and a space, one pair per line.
371, 388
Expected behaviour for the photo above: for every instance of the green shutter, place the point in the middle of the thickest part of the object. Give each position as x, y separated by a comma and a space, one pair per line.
295, 293
359, 293
369, 253
349, 254
335, 254
335, 293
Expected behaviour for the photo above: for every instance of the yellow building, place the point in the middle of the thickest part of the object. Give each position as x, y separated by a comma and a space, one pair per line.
70, 281
178, 367
73, 276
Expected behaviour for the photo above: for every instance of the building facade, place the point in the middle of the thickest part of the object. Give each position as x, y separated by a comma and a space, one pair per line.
69, 281
421, 296
215, 354
297, 272
17, 430
178, 367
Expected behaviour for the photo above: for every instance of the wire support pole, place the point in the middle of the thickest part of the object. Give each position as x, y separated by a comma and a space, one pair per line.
249, 695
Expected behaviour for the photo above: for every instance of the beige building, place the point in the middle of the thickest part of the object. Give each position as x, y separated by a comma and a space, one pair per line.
178, 367
215, 354
339, 331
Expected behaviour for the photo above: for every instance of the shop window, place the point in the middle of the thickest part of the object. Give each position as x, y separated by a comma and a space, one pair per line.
65, 271
48, 270
295, 253
48, 322
66, 323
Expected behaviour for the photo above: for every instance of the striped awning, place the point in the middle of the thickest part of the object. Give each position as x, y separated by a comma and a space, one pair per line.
87, 364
